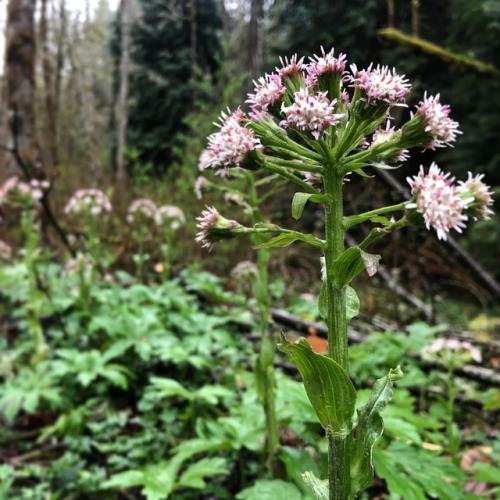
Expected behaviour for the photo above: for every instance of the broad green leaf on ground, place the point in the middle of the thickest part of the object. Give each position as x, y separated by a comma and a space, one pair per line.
193, 476
264, 489
415, 473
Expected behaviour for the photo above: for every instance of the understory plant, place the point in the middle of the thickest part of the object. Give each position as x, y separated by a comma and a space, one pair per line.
247, 196
314, 124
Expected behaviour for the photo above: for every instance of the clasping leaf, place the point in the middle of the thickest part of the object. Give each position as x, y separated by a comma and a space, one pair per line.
327, 384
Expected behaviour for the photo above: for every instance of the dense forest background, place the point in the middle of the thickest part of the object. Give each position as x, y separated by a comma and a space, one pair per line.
126, 99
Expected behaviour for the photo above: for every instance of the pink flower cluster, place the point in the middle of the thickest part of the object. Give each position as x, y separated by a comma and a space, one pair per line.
214, 227
326, 63
437, 122
171, 215
380, 85
207, 221
446, 205
447, 345
147, 209
31, 191
386, 135
91, 201
229, 147
142, 207
268, 90
310, 113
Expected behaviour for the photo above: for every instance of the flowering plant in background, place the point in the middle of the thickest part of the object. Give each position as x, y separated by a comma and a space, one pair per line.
168, 219
25, 197
89, 208
245, 197
316, 121
141, 213
452, 353
88, 201
81, 267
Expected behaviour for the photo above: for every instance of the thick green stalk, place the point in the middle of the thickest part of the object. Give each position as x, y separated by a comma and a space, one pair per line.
336, 320
33, 319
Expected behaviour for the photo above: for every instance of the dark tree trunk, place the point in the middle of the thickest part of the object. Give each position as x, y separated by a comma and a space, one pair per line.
122, 108
254, 46
50, 128
18, 134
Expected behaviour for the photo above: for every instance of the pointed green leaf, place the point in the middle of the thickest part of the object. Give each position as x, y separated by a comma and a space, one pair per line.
351, 263
193, 476
318, 486
285, 239
347, 266
327, 384
299, 202
170, 387
368, 429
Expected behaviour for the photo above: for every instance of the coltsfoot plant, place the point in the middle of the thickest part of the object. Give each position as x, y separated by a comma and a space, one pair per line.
313, 123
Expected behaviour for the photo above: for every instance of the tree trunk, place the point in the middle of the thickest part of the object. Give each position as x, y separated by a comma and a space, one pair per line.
18, 134
122, 108
50, 125
253, 47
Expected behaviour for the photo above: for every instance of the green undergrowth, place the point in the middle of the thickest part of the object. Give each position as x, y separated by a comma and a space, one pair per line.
147, 391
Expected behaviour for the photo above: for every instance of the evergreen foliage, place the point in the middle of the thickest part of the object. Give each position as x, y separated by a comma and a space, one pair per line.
162, 87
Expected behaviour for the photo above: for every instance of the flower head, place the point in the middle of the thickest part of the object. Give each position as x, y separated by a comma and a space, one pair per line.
384, 137
214, 227
23, 192
439, 200
380, 85
481, 196
142, 207
169, 214
268, 91
326, 63
229, 147
438, 125
292, 66
92, 201
446, 348
310, 113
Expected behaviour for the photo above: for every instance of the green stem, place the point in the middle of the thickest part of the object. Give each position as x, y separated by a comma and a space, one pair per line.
358, 219
453, 437
265, 365
292, 177
33, 319
336, 320
297, 165
379, 232
339, 478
